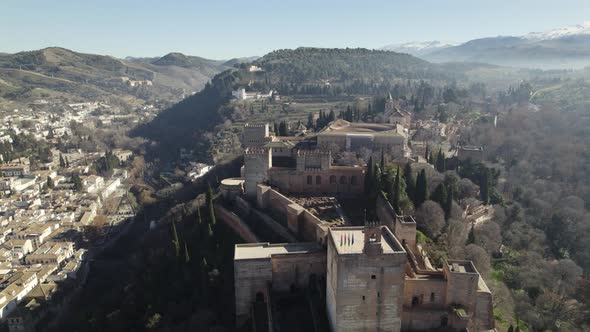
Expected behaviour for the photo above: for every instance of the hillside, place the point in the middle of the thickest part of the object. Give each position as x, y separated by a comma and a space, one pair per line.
303, 71
305, 65
60, 73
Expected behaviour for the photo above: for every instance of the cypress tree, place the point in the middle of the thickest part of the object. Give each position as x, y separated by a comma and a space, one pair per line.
471, 235
49, 183
449, 203
187, 257
440, 195
484, 188
511, 328
421, 189
175, 240
427, 152
211, 206
397, 192
431, 159
382, 161
199, 219
440, 161
62, 162
409, 179
369, 176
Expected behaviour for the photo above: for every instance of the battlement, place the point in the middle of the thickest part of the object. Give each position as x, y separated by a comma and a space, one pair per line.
324, 153
461, 266
256, 125
256, 151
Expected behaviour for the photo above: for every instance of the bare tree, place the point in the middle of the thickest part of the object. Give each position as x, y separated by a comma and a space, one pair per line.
430, 217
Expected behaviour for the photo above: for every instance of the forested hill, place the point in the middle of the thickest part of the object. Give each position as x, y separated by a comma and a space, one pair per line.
304, 65
183, 124
301, 71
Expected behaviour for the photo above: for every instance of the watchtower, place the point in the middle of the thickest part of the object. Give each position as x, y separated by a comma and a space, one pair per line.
257, 161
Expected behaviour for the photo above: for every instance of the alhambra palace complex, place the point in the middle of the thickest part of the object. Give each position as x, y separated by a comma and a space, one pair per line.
373, 275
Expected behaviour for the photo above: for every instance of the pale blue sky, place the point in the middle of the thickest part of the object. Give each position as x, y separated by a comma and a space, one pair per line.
222, 29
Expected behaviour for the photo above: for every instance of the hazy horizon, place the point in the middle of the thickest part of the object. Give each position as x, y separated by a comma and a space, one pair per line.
226, 29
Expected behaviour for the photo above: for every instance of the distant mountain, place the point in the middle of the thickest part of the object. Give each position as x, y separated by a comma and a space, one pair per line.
237, 61
58, 72
574, 30
562, 48
419, 48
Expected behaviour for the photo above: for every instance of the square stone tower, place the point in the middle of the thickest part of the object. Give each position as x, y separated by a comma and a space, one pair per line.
255, 135
365, 279
257, 161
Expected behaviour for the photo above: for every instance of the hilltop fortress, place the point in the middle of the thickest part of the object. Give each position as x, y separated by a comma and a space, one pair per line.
302, 240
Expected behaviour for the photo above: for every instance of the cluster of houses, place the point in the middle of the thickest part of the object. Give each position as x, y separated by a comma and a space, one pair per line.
42, 217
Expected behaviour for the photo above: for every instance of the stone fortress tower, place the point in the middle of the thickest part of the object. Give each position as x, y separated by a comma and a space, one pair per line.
365, 279
256, 135
257, 162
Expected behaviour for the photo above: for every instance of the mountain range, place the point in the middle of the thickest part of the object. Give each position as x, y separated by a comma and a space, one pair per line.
56, 72
561, 48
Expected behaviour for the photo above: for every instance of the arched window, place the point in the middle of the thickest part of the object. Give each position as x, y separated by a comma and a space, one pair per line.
309, 179
343, 179
332, 179
318, 179
353, 180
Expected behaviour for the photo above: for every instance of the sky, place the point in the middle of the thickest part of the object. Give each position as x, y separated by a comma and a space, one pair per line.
223, 29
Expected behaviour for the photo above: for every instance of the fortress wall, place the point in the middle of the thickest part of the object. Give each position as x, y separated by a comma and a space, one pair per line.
422, 289
404, 231
295, 269
333, 181
484, 312
236, 224
274, 226
250, 277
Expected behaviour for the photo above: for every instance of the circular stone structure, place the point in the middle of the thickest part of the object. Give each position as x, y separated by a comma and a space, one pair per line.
231, 187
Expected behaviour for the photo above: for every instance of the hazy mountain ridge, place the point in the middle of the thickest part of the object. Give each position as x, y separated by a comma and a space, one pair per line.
419, 48
561, 48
